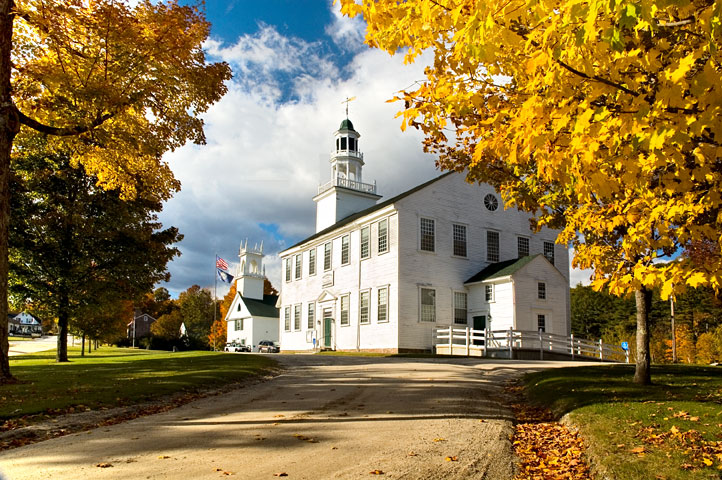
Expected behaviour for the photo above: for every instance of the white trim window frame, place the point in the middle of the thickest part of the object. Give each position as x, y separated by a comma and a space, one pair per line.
459, 240
297, 317
327, 256
427, 305
427, 234
541, 322
288, 269
489, 293
312, 262
549, 251
365, 243
460, 308
382, 233
364, 307
287, 319
382, 304
311, 316
541, 291
522, 247
345, 310
345, 249
493, 243
299, 266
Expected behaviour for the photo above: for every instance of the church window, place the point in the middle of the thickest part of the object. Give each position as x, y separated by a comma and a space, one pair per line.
343, 143
489, 293
239, 307
238, 325
428, 235
490, 202
522, 246
541, 322
459, 240
288, 269
492, 246
549, 251
299, 264
352, 143
542, 291
428, 304
312, 261
383, 236
297, 317
344, 250
326, 256
382, 314
365, 250
311, 315
364, 306
460, 308
345, 310
287, 319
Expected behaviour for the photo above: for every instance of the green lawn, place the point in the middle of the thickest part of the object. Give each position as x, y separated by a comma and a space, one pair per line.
110, 377
19, 339
671, 430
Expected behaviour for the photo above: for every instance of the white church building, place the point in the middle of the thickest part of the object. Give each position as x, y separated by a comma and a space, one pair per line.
382, 275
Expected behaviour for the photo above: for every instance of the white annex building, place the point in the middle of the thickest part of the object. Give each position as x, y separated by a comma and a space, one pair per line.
381, 276
252, 316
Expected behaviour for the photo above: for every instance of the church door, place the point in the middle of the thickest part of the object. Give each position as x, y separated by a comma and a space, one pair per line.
327, 319
479, 324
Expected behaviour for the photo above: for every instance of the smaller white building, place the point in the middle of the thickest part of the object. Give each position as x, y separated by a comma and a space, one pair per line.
24, 324
252, 316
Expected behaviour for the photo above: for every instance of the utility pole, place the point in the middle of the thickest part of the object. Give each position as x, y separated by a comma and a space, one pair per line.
674, 336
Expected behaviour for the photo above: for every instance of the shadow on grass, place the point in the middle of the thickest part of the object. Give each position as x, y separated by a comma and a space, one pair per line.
566, 389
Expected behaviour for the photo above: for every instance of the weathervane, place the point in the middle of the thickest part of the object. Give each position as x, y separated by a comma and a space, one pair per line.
347, 101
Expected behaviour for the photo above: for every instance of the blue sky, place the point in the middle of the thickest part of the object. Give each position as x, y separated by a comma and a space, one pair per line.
269, 138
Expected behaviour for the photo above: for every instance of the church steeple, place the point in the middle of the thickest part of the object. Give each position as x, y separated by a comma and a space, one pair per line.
250, 275
346, 193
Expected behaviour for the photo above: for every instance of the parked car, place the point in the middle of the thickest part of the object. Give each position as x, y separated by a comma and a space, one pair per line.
267, 346
236, 347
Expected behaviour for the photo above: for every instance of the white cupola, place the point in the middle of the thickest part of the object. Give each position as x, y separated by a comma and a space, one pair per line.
346, 193
250, 276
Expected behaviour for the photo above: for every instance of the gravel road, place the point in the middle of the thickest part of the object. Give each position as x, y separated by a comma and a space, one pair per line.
324, 417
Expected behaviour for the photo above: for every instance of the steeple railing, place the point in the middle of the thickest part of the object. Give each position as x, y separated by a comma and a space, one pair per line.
348, 183
347, 153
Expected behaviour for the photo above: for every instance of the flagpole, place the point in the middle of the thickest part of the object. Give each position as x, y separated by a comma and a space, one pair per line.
215, 283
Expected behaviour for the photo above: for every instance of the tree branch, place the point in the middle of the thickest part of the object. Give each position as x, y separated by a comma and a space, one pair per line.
61, 132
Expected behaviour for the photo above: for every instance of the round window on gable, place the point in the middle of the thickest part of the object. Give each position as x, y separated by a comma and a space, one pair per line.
490, 202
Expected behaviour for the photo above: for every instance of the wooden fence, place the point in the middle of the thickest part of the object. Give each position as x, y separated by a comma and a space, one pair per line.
456, 340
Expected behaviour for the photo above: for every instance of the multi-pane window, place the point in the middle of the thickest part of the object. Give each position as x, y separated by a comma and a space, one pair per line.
492, 246
428, 305
344, 250
312, 261
287, 319
489, 293
299, 264
542, 290
428, 235
459, 240
311, 315
297, 317
460, 308
522, 246
382, 314
288, 269
238, 324
541, 322
326, 256
549, 251
344, 310
383, 236
364, 306
365, 243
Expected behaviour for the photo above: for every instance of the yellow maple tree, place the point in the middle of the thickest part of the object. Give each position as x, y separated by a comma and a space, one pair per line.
114, 85
602, 117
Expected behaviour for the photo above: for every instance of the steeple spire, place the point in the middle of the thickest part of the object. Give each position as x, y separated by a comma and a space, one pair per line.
347, 101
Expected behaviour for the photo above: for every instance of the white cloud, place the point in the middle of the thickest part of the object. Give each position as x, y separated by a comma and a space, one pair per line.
576, 275
347, 33
266, 154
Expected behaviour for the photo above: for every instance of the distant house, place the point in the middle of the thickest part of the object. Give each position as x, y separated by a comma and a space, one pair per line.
24, 324
140, 326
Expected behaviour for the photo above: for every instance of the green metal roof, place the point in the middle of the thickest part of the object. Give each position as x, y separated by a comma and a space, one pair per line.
378, 206
501, 269
346, 125
262, 308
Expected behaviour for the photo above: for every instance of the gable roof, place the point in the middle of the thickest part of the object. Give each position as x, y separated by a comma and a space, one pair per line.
262, 308
362, 213
501, 269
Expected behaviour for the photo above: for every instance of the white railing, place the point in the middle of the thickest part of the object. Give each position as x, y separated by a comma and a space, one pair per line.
347, 153
346, 183
457, 340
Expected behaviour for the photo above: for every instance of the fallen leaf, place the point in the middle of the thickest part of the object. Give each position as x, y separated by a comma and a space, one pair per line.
413, 454
104, 465
694, 419
280, 474
163, 457
638, 450
376, 472
439, 439
452, 459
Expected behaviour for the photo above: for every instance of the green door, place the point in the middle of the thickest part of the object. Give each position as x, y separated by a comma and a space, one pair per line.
327, 328
479, 324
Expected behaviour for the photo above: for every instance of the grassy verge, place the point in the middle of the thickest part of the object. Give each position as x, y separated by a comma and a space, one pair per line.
19, 339
111, 377
670, 430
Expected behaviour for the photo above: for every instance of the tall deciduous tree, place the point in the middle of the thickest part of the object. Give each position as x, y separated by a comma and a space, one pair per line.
602, 117
77, 249
196, 308
113, 85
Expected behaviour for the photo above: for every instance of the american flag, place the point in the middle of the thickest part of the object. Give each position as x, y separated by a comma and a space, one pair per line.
220, 263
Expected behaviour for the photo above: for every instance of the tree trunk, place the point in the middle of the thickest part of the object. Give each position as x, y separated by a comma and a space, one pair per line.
9, 126
642, 374
82, 345
62, 352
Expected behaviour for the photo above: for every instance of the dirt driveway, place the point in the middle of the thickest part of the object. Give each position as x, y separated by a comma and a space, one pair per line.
325, 417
